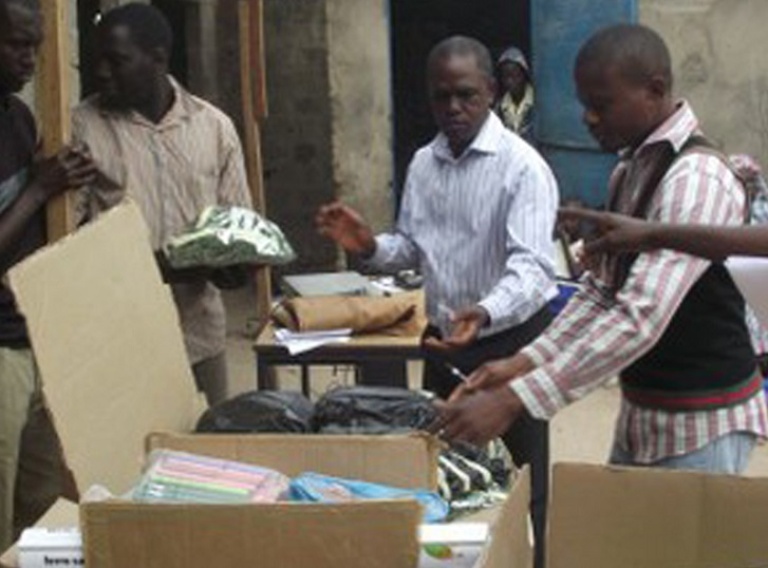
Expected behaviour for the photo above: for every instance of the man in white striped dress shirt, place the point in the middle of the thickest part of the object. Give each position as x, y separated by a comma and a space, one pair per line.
170, 152
477, 219
672, 325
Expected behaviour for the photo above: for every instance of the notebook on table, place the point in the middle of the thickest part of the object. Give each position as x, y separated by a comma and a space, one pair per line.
327, 284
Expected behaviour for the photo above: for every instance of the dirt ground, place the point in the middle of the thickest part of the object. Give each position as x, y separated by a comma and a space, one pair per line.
582, 432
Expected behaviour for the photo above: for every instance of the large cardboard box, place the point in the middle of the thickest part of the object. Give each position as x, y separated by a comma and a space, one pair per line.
113, 365
112, 359
285, 535
605, 517
610, 517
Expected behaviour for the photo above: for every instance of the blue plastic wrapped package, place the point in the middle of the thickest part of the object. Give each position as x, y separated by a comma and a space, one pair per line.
317, 488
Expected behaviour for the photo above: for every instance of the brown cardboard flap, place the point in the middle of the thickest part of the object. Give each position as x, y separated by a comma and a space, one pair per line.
509, 544
604, 517
379, 534
106, 336
400, 461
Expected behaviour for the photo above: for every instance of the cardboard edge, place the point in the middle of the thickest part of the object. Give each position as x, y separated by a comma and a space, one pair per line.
509, 542
432, 444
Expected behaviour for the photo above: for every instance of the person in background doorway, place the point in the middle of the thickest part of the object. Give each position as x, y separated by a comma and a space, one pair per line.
31, 468
477, 217
670, 324
171, 153
515, 101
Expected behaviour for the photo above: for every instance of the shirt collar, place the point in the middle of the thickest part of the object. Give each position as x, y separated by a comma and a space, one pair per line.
525, 102
184, 105
675, 130
486, 141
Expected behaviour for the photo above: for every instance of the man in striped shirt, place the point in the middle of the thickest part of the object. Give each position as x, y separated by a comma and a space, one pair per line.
477, 219
171, 153
670, 324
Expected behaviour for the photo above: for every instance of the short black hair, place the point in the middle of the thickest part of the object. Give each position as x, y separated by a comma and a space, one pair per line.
461, 46
639, 52
31, 5
148, 26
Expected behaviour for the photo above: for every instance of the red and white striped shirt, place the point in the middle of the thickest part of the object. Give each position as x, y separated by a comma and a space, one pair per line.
598, 334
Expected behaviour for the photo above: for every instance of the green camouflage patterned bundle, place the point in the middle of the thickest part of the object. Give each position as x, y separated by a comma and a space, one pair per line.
226, 236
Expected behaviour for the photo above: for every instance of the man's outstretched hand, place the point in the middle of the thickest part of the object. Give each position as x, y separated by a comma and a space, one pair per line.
479, 417
347, 227
611, 232
466, 325
493, 375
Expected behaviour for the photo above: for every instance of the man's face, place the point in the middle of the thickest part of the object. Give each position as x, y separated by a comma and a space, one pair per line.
618, 113
125, 73
20, 38
513, 79
460, 96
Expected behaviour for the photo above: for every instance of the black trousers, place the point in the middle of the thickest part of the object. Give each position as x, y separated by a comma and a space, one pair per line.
528, 439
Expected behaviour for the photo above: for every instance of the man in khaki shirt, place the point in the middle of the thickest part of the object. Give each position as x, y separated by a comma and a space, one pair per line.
171, 153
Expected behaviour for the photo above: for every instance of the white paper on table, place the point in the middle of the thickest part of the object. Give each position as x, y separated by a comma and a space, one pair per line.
751, 277
301, 341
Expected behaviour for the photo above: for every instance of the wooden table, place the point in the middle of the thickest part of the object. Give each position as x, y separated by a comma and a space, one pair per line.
377, 359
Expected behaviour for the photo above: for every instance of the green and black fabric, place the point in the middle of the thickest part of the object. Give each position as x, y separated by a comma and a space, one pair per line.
18, 143
704, 358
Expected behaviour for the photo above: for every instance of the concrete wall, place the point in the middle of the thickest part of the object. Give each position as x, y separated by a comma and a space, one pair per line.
328, 133
296, 136
719, 66
361, 101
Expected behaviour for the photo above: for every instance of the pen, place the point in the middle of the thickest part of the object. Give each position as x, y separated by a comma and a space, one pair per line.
456, 372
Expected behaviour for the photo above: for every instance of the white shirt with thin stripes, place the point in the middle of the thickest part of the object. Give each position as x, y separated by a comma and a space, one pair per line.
479, 227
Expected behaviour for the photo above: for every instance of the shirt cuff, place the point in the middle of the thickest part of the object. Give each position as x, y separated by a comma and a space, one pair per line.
539, 394
496, 309
378, 257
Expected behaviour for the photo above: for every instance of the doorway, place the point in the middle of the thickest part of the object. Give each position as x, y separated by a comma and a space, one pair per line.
415, 28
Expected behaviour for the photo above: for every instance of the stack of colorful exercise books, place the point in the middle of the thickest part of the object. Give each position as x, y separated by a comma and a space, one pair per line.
188, 478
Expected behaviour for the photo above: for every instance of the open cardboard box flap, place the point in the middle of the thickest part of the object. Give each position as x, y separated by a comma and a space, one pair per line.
108, 345
604, 517
509, 541
398, 460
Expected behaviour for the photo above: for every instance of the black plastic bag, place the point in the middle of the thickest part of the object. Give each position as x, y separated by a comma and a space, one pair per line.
260, 411
372, 410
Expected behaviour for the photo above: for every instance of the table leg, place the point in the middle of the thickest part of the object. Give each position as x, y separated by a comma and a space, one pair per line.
387, 372
305, 380
266, 379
